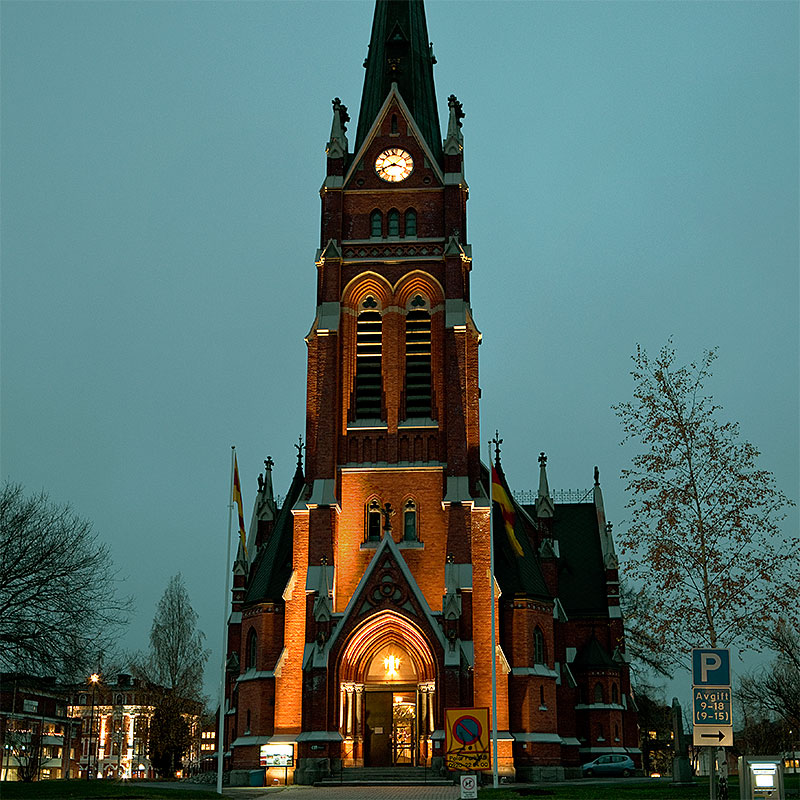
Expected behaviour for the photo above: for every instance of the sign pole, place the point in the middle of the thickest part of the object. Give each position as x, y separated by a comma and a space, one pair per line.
495, 781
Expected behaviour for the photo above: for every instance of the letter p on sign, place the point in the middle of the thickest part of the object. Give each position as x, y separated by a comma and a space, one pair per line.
711, 667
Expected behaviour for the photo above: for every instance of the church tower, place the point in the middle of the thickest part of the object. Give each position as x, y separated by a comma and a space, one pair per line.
363, 606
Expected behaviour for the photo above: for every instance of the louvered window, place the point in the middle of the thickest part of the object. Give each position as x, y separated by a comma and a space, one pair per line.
418, 361
368, 362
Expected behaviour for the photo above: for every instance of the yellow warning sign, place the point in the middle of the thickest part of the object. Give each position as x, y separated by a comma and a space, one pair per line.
466, 738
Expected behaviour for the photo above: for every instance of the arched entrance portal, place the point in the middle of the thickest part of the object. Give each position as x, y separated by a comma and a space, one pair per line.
387, 693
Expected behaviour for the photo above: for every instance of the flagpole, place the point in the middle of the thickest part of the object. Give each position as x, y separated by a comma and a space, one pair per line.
221, 725
495, 781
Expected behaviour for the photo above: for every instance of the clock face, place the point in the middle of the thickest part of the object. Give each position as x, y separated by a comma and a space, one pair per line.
394, 164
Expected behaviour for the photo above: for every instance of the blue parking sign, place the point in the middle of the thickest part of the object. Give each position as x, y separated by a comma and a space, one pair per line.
711, 667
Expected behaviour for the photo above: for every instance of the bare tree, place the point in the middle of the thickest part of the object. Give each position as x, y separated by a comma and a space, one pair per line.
773, 692
58, 593
705, 537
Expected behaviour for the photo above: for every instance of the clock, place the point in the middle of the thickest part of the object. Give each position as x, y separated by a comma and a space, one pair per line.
394, 164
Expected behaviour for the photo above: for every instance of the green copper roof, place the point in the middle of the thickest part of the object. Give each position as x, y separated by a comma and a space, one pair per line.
400, 52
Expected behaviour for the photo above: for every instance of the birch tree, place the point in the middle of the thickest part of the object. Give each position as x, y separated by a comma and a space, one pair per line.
705, 537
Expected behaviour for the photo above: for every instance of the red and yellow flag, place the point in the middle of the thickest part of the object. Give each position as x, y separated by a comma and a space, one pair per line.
500, 496
237, 498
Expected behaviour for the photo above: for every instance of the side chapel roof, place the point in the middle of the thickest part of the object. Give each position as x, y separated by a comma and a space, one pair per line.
273, 565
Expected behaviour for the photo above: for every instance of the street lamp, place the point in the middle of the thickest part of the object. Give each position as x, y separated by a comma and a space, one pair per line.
93, 679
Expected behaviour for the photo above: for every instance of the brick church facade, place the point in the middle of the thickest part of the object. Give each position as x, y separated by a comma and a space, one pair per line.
362, 608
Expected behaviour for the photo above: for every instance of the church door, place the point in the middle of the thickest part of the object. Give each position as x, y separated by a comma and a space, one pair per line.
378, 719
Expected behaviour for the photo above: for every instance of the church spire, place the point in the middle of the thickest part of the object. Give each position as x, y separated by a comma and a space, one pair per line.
399, 52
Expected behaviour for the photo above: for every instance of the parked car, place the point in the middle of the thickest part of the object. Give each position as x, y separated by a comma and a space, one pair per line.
609, 765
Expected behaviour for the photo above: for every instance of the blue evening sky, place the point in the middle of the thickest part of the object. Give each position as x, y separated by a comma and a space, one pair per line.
633, 169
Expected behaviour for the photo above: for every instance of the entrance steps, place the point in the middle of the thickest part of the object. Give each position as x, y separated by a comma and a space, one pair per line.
385, 776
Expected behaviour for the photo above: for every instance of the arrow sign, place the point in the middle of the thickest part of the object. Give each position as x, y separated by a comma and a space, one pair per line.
713, 735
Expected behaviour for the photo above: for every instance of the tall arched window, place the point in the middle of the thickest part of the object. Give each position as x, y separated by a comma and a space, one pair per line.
410, 522
539, 656
252, 649
614, 693
393, 222
376, 225
411, 223
373, 521
368, 361
598, 693
418, 359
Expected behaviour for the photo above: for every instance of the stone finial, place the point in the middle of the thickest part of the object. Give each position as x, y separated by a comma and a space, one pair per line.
496, 441
300, 447
454, 141
596, 476
337, 145
388, 513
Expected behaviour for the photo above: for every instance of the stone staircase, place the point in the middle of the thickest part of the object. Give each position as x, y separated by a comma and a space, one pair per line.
385, 776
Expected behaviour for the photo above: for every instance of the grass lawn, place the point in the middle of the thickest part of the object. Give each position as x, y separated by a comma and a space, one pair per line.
130, 790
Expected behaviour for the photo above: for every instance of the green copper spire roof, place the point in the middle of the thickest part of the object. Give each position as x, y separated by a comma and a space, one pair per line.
399, 52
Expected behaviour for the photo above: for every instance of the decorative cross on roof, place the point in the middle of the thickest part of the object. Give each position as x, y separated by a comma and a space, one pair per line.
300, 447
497, 441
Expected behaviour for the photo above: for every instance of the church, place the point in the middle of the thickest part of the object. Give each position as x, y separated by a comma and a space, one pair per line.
362, 606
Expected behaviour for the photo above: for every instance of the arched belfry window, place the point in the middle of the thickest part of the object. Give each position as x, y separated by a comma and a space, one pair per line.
373, 521
539, 656
393, 222
418, 358
376, 225
252, 649
411, 223
410, 530
368, 361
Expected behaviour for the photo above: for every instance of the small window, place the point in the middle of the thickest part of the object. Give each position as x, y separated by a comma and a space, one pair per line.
538, 647
394, 123
614, 693
376, 225
252, 649
541, 695
373, 521
411, 222
410, 522
598, 693
393, 220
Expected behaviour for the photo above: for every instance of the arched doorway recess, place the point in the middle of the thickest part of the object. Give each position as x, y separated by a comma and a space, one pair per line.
387, 693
